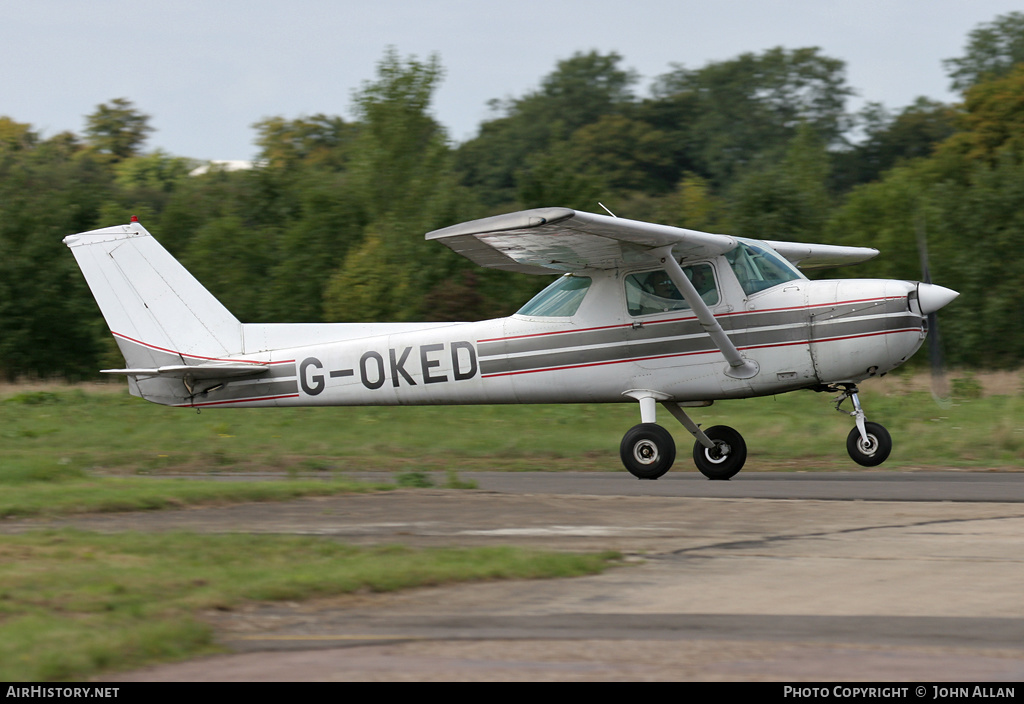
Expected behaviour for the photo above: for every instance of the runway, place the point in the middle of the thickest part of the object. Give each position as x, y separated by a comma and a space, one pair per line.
910, 576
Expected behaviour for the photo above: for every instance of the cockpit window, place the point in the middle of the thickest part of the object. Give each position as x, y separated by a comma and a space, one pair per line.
653, 291
758, 268
559, 300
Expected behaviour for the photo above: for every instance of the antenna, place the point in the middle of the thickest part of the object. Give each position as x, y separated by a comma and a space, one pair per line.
606, 209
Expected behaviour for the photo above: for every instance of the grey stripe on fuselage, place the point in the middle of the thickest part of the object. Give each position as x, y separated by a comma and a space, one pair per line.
254, 390
622, 347
674, 327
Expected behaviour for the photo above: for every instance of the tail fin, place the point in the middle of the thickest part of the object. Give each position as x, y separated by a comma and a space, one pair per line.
159, 313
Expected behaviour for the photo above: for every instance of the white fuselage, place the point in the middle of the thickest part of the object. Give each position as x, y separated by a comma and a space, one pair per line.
800, 334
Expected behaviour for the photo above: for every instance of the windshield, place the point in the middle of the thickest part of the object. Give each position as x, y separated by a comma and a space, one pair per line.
758, 268
559, 300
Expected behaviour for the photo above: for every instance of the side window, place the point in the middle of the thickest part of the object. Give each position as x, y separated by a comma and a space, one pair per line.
559, 300
653, 291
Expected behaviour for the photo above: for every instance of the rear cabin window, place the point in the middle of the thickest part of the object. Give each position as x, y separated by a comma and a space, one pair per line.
559, 300
653, 291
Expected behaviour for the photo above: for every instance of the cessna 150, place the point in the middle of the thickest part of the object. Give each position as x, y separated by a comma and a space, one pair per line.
644, 313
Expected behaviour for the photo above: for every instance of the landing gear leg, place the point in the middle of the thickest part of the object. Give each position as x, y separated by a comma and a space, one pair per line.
868, 444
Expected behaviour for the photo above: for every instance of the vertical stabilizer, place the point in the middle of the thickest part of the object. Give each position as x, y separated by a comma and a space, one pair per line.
158, 312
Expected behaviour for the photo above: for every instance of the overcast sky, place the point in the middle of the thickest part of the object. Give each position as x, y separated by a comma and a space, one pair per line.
206, 70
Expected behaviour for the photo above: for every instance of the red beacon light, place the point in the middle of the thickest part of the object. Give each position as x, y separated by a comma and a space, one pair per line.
135, 218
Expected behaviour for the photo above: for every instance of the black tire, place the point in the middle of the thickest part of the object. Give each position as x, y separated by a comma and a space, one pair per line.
648, 451
727, 459
877, 449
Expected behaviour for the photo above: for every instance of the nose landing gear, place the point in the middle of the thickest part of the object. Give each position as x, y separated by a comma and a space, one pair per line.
868, 444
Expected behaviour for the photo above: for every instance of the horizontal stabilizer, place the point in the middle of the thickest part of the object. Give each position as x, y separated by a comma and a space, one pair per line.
197, 371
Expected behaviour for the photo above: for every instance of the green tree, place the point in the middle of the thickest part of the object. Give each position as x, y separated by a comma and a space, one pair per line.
318, 140
116, 129
787, 199
557, 178
694, 206
628, 154
889, 139
755, 103
400, 172
580, 91
993, 49
16, 135
992, 121
49, 324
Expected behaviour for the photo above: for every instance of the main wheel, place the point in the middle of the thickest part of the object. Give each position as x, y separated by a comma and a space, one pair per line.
726, 459
648, 451
873, 452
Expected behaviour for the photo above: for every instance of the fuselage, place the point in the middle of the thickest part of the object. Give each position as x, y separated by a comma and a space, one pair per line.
604, 342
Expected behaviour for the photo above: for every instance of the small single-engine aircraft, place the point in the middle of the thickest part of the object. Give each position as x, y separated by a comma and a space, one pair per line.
644, 313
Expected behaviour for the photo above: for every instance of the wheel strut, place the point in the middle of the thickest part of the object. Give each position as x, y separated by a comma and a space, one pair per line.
850, 391
869, 444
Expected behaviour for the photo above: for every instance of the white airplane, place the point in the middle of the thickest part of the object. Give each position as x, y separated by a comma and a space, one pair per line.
643, 313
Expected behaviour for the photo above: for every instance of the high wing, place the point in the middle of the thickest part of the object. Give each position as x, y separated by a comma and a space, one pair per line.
544, 239
561, 239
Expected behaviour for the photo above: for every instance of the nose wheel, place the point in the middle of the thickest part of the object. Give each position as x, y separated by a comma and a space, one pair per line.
872, 450
868, 444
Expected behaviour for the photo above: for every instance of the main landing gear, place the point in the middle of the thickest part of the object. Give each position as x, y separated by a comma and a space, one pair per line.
648, 450
719, 452
869, 444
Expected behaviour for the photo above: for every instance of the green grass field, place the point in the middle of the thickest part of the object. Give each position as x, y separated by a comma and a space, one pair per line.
88, 430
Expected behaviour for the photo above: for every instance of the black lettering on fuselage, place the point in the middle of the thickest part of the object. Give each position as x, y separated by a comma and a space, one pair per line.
365, 377
456, 367
427, 364
397, 367
374, 372
314, 384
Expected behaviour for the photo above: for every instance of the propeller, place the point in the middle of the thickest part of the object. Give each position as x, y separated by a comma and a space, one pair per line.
931, 298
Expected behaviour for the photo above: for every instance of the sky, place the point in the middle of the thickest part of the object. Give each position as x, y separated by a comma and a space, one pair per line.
206, 70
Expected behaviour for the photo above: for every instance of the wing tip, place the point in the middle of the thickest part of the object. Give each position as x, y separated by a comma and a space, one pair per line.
521, 220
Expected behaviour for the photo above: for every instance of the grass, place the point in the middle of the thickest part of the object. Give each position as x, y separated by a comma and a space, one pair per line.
82, 431
74, 604
106, 494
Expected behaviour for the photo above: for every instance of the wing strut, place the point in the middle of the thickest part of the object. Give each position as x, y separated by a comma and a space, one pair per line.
739, 366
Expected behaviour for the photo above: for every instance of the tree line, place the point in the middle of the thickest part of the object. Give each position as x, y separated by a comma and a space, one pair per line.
329, 225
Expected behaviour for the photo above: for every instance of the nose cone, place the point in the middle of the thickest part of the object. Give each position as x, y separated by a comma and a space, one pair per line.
931, 297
